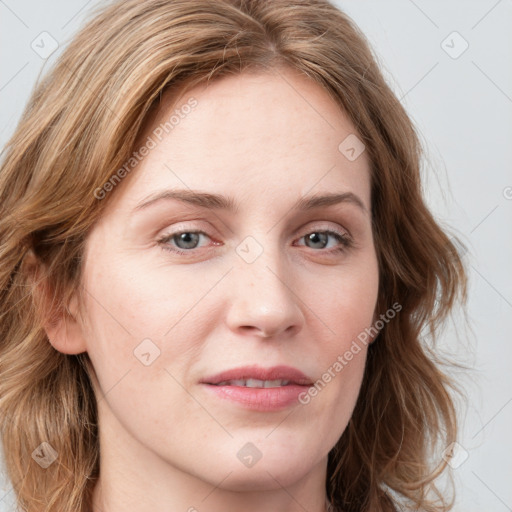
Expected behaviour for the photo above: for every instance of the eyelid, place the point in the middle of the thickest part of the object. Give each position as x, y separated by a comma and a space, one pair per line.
317, 225
193, 225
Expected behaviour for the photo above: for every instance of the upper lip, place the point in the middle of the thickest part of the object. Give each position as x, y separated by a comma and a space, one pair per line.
282, 372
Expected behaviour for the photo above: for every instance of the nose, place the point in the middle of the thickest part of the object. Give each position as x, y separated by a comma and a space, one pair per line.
264, 302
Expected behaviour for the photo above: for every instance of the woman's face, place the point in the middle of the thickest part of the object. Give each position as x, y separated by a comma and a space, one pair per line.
262, 282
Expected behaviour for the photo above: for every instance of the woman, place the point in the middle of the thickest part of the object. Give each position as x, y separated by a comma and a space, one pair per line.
218, 270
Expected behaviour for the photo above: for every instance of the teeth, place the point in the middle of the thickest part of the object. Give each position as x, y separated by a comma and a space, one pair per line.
275, 383
255, 383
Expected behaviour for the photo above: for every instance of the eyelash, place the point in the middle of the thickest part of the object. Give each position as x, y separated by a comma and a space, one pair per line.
345, 241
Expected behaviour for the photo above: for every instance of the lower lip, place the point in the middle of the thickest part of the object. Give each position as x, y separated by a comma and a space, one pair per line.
260, 399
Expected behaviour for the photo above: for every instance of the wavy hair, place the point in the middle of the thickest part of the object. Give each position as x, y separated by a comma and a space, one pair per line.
80, 125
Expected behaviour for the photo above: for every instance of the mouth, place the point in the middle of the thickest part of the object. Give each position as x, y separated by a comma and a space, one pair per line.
257, 388
258, 377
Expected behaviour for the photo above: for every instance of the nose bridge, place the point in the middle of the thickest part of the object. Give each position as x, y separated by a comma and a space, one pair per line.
263, 300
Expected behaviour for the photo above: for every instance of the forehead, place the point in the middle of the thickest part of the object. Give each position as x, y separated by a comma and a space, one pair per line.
254, 106
248, 135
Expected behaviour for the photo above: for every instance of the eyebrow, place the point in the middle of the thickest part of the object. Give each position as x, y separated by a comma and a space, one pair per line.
220, 202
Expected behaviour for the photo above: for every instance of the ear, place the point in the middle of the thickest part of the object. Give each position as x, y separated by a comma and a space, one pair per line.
63, 328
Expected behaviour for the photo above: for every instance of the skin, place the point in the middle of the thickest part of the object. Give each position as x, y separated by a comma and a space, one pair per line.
265, 139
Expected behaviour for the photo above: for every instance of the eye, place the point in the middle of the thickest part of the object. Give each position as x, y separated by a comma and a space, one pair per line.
320, 240
182, 242
185, 242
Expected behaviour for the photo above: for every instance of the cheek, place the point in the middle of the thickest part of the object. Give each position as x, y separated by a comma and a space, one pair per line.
137, 341
143, 320
346, 307
347, 304
138, 302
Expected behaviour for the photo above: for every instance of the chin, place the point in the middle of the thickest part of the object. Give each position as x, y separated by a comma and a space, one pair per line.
275, 469
263, 478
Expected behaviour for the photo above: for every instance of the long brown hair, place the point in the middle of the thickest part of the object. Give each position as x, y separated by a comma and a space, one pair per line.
80, 126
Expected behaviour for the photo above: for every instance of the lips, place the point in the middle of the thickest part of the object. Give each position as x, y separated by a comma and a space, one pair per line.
255, 383
258, 389
252, 376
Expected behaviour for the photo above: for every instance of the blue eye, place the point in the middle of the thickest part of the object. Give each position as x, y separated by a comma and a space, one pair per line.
322, 238
185, 242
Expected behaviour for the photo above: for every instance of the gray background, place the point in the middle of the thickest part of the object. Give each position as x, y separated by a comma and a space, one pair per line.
462, 106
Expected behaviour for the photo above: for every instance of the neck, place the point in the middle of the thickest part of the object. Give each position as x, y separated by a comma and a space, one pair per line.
135, 479
143, 494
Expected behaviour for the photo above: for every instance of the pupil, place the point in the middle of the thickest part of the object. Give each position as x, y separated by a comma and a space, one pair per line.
318, 237
190, 240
